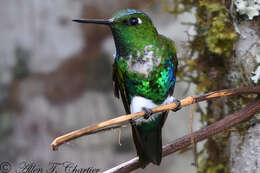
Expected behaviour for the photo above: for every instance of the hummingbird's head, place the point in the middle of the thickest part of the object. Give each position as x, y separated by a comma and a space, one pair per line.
130, 28
132, 25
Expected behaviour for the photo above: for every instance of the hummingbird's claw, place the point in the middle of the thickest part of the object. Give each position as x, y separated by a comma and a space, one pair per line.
179, 105
148, 112
132, 122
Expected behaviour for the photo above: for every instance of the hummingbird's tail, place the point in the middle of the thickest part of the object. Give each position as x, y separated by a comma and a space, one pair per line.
147, 134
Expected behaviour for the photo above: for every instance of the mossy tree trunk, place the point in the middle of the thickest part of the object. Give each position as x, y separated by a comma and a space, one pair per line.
232, 60
225, 54
244, 148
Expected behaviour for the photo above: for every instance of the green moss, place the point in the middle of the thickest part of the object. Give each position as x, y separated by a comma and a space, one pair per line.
214, 44
220, 36
215, 28
210, 167
214, 159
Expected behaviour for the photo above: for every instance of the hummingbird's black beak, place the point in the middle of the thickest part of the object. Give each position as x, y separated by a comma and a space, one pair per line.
96, 21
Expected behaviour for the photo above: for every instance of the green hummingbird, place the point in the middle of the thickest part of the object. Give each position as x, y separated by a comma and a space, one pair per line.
144, 75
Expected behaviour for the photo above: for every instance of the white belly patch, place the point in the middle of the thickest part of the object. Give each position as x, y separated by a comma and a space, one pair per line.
139, 102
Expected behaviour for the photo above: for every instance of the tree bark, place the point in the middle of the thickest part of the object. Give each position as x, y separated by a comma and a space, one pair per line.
245, 149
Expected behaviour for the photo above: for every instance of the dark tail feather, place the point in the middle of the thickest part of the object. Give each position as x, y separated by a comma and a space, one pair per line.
147, 136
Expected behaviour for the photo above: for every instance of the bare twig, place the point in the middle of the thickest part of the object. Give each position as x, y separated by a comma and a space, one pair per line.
125, 118
193, 144
183, 142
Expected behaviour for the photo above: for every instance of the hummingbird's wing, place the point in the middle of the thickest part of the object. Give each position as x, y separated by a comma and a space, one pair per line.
119, 87
173, 55
173, 51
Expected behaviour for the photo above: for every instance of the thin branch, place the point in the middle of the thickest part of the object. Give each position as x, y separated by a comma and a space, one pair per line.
183, 142
125, 118
193, 144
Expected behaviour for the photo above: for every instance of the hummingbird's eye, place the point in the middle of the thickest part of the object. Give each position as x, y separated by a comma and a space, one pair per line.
135, 21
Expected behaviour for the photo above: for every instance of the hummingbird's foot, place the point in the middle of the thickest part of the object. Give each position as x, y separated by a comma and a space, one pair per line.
132, 122
179, 105
148, 112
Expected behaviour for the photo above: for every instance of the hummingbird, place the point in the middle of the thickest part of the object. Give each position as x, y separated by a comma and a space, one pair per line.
144, 76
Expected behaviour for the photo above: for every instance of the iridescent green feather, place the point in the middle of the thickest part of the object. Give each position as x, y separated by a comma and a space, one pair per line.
156, 86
